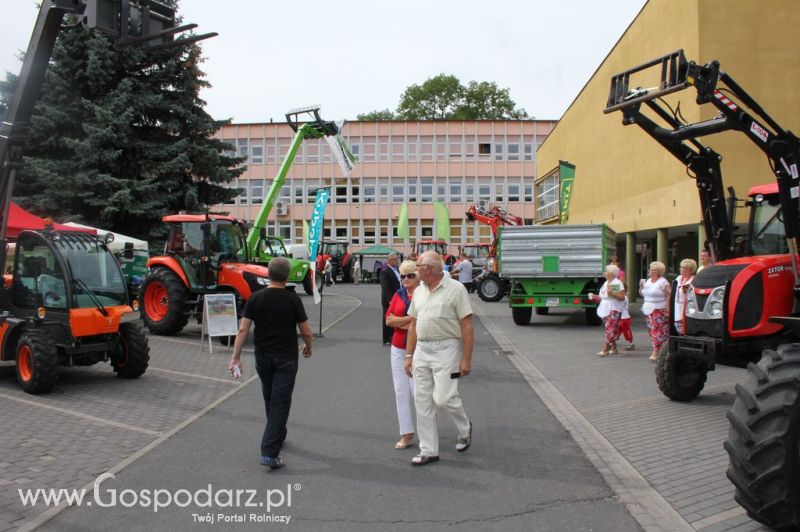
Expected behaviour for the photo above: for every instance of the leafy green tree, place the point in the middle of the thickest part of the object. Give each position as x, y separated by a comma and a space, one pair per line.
120, 138
437, 99
384, 114
443, 97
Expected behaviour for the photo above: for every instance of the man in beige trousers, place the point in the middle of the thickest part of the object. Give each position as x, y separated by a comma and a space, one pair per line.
439, 347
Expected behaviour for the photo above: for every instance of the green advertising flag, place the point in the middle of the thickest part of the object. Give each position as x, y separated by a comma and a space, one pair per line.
566, 172
305, 234
442, 221
402, 221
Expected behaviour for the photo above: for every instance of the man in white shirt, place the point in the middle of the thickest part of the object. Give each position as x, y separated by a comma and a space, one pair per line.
439, 347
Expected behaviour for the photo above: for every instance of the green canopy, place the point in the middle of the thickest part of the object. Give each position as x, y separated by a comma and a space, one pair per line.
377, 250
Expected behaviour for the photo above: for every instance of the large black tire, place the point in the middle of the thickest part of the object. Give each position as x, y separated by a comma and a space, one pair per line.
491, 289
677, 377
162, 302
591, 316
37, 362
542, 311
307, 286
133, 353
521, 315
764, 439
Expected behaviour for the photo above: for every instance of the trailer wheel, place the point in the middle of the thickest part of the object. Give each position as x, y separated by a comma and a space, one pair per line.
36, 362
677, 377
308, 287
133, 353
162, 301
521, 315
490, 289
542, 311
764, 439
591, 316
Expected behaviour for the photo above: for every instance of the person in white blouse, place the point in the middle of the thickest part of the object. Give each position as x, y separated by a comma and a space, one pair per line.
656, 292
683, 283
611, 301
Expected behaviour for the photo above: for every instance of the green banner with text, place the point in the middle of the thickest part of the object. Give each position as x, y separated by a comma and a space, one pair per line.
566, 174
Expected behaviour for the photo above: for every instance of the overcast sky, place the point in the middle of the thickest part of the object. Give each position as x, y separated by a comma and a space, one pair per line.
356, 56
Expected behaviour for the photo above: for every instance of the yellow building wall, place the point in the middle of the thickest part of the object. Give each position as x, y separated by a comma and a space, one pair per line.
625, 178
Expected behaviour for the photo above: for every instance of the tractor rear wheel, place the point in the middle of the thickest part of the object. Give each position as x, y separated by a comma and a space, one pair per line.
521, 315
162, 301
307, 286
491, 289
37, 361
764, 439
591, 316
133, 352
677, 377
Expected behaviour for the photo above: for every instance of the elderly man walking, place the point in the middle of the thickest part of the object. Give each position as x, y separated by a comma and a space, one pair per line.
439, 347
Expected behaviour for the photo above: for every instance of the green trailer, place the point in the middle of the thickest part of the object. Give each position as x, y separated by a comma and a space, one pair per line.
554, 266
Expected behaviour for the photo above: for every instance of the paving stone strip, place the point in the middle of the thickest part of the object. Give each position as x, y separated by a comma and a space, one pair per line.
646, 505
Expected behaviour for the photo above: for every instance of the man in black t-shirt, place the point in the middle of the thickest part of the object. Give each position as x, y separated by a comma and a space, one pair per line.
277, 314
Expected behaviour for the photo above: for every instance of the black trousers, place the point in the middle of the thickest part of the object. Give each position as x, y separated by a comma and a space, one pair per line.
387, 331
277, 374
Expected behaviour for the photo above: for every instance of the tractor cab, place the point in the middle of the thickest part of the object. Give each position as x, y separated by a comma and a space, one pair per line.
767, 235
202, 245
62, 271
439, 246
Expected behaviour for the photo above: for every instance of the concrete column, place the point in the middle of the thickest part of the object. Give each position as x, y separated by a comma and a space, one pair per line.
630, 264
701, 238
661, 246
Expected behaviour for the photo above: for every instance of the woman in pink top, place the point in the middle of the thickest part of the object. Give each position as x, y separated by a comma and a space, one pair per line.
656, 291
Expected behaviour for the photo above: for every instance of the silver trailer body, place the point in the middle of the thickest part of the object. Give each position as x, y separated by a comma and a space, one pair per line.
555, 251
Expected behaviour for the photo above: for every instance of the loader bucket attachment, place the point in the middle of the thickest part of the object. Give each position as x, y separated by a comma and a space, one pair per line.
673, 77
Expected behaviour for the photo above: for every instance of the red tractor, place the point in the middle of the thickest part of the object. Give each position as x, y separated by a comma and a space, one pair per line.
746, 302
439, 246
489, 285
204, 254
341, 260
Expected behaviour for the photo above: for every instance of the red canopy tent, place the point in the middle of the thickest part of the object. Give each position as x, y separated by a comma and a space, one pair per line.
19, 219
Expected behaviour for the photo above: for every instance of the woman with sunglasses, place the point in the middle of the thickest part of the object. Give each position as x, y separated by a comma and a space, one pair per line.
398, 318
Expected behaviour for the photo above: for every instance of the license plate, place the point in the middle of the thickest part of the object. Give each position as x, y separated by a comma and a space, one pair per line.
552, 302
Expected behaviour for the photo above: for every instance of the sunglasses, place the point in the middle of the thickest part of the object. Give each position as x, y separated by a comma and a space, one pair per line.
408, 275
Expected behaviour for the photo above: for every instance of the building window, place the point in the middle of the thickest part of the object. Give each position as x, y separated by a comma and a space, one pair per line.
499, 192
341, 232
312, 153
426, 231
243, 151
498, 152
369, 152
384, 151
470, 193
230, 148
269, 151
455, 150
528, 193
411, 147
513, 193
426, 189
285, 231
355, 149
441, 151
528, 152
298, 194
383, 190
341, 194
398, 152
256, 191
311, 191
398, 193
484, 149
368, 188
455, 191
412, 189
369, 234
441, 192
485, 192
513, 152
354, 194
426, 148
257, 152
286, 193
547, 197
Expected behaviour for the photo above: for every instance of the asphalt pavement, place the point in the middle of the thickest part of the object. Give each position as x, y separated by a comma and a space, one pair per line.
524, 471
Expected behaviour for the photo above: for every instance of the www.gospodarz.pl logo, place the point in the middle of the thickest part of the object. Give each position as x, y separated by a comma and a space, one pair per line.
158, 498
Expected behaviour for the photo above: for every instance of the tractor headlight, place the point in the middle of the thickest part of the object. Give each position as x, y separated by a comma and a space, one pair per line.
691, 308
715, 309
263, 281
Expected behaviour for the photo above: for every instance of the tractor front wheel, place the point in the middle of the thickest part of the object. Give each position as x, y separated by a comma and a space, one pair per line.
307, 283
679, 378
133, 352
162, 300
36, 362
491, 289
764, 439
